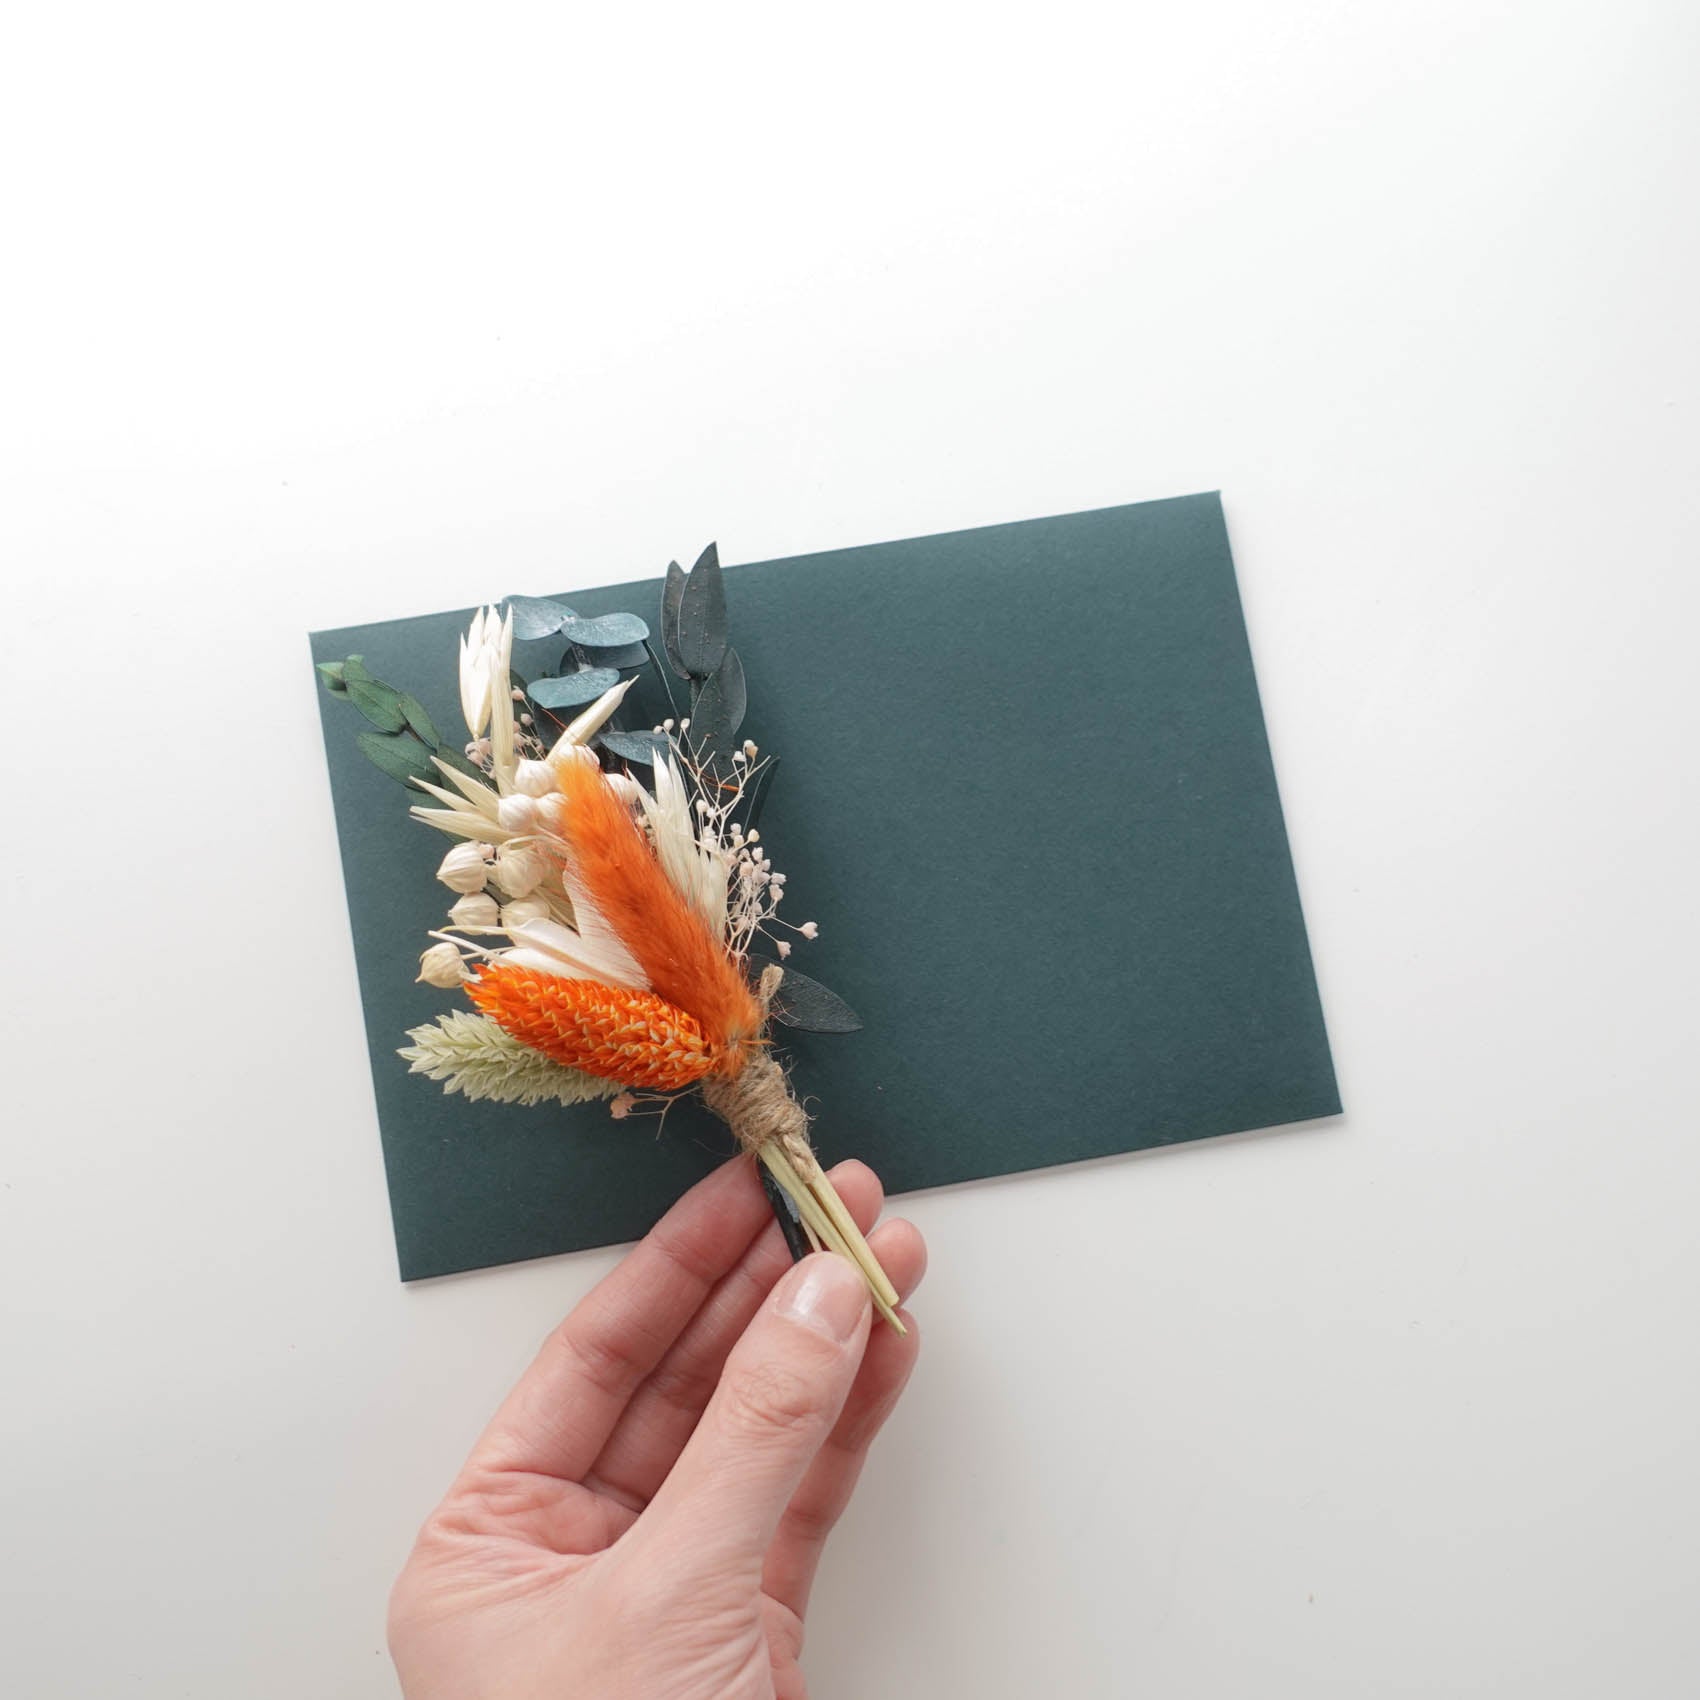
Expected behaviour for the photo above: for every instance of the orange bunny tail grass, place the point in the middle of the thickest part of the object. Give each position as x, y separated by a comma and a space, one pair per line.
682, 959
618, 1034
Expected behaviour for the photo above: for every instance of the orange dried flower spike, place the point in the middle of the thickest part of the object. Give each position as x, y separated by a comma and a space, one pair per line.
685, 963
634, 1037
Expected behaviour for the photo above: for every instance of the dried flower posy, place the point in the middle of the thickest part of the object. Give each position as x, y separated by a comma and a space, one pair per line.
602, 928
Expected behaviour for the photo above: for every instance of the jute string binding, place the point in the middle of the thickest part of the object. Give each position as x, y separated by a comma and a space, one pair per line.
770, 1124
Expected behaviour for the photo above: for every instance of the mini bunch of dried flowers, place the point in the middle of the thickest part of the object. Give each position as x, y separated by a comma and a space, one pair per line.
602, 927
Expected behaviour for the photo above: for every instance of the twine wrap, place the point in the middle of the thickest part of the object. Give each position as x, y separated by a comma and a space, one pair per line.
758, 1105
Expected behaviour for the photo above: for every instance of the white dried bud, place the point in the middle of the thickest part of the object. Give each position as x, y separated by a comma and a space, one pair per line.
625, 788
519, 869
809, 930
784, 949
476, 909
517, 813
565, 751
534, 779
550, 809
524, 909
441, 966
466, 867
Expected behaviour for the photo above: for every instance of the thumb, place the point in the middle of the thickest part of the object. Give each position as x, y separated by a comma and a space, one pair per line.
780, 1394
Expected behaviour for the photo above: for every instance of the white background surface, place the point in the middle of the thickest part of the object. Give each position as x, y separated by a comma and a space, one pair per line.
322, 314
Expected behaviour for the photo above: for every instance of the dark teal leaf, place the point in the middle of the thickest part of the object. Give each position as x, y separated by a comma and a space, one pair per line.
702, 616
331, 673
574, 690
806, 1004
719, 708
757, 794
608, 631
379, 703
413, 711
672, 590
400, 758
644, 748
537, 617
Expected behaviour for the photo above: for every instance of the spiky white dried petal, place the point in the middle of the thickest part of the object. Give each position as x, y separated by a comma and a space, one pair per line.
500, 642
462, 823
697, 870
580, 731
475, 791
475, 677
592, 951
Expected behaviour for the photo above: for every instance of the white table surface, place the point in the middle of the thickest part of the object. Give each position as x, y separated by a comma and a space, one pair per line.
323, 314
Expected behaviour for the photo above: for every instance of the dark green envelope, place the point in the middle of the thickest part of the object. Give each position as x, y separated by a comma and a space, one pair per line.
1024, 789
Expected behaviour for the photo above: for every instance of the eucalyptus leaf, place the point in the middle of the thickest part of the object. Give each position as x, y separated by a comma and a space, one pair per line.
627, 657
607, 631
537, 616
574, 690
808, 1006
419, 722
355, 668
672, 590
381, 704
400, 758
720, 704
331, 673
644, 748
702, 616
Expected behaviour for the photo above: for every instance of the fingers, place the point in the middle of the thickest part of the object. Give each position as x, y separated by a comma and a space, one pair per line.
658, 1421
560, 1414
785, 1383
825, 1490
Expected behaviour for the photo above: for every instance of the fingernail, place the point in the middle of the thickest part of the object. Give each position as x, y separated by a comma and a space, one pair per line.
824, 1292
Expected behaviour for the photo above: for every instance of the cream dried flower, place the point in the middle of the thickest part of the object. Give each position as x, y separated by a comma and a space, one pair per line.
466, 867
476, 909
470, 1054
441, 966
519, 869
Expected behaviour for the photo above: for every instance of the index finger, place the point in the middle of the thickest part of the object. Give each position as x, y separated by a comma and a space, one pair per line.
565, 1406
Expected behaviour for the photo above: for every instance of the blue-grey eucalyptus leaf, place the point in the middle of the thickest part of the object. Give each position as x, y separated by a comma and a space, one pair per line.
606, 631
574, 690
538, 617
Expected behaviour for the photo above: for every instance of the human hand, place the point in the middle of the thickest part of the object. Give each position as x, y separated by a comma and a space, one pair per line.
644, 1515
